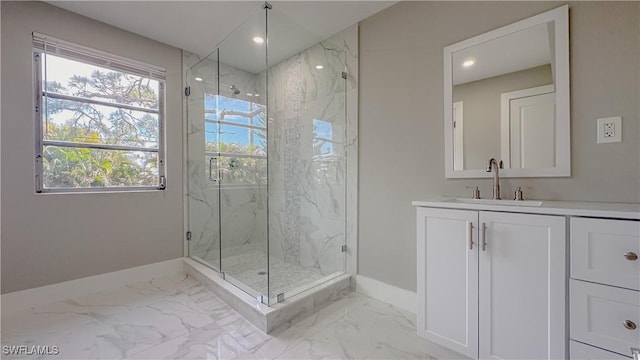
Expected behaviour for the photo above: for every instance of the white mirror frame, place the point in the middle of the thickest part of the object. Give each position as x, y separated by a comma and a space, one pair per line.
560, 17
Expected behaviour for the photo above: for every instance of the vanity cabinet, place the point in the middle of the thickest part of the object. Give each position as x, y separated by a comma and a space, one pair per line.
447, 246
492, 285
604, 287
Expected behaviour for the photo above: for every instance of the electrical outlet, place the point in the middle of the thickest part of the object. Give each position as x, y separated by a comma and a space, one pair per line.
609, 129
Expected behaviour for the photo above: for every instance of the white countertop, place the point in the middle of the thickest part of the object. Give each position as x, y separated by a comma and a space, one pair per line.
567, 208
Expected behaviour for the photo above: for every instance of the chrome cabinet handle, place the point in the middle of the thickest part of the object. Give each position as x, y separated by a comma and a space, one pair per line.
470, 236
484, 237
630, 325
631, 256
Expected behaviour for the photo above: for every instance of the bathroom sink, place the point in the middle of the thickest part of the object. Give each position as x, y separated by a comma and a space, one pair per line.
497, 202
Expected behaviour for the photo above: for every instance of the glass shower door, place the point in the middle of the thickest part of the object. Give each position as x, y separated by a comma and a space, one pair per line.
241, 120
202, 186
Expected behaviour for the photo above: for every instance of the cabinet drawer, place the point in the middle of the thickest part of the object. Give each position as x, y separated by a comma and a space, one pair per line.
606, 251
580, 351
599, 313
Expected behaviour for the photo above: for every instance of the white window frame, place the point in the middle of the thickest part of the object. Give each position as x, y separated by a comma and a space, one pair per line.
44, 44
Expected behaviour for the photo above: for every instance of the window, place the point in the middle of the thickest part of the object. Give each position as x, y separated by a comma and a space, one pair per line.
322, 139
99, 120
326, 157
235, 141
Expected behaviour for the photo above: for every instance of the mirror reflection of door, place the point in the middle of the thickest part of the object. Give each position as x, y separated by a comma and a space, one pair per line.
528, 125
458, 136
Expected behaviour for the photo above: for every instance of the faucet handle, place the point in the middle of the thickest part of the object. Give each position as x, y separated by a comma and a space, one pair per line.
518, 195
476, 192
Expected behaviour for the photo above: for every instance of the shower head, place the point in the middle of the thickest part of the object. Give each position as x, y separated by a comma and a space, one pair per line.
234, 90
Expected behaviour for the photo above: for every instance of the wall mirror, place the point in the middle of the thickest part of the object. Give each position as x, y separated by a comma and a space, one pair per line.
507, 97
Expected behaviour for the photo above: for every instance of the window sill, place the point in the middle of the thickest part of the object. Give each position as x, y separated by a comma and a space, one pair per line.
94, 191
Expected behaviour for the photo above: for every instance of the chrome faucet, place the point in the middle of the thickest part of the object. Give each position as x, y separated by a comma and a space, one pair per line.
494, 166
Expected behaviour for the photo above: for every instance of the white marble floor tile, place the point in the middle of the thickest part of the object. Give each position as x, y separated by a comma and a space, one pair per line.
119, 323
176, 318
356, 327
208, 342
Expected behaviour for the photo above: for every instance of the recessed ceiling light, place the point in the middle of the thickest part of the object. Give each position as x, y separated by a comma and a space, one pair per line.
319, 67
249, 94
198, 79
468, 62
258, 39
256, 94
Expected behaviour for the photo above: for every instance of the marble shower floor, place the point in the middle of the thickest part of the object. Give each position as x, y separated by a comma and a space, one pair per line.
177, 318
249, 267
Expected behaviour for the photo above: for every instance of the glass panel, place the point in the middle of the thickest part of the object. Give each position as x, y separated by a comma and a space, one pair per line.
307, 188
241, 112
76, 121
202, 139
74, 78
242, 140
66, 167
243, 171
245, 110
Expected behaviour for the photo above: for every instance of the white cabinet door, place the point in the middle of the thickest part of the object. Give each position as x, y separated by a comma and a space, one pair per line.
606, 251
522, 286
447, 311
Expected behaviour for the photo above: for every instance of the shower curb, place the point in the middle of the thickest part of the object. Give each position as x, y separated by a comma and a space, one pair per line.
269, 318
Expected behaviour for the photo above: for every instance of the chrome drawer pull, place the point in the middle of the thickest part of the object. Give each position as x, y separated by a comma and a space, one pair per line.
630, 255
629, 324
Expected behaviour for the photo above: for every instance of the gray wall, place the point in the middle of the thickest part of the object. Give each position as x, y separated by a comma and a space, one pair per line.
401, 116
481, 103
49, 238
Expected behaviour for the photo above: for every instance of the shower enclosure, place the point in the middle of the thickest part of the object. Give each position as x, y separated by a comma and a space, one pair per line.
266, 156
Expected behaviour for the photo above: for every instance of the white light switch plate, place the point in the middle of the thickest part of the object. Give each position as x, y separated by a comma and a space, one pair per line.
610, 130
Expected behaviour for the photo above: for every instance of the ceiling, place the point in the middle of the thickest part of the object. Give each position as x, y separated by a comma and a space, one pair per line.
197, 26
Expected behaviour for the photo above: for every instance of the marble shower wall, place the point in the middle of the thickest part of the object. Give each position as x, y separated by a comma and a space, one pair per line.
308, 201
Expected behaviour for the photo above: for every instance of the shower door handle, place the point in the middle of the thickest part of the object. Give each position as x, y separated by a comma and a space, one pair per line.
214, 179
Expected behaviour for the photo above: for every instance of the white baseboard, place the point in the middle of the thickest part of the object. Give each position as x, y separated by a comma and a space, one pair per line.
398, 297
23, 299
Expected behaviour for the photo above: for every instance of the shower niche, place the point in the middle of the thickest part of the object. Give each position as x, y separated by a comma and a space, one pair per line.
268, 139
